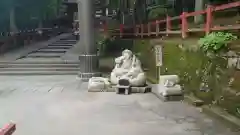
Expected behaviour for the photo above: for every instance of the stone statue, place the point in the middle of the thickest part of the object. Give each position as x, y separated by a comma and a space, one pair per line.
128, 67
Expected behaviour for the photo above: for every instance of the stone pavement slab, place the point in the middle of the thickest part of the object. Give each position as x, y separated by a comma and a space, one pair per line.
56, 105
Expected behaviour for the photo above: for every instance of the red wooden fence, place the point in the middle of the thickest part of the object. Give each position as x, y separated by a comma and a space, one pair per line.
8, 129
143, 30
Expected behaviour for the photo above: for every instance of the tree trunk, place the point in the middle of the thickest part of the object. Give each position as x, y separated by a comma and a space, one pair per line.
13, 27
199, 5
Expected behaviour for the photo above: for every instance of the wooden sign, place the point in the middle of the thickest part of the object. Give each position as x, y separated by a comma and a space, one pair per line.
158, 54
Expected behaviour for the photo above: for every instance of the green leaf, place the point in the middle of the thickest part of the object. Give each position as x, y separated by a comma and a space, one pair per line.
216, 41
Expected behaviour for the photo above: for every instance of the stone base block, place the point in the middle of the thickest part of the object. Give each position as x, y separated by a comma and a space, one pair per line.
123, 89
168, 94
141, 89
96, 87
144, 89
100, 87
170, 91
97, 84
172, 78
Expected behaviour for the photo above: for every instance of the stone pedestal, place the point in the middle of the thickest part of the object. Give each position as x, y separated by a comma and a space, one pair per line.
123, 89
144, 89
88, 67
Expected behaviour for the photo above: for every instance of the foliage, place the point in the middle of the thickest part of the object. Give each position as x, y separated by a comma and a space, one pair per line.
216, 41
194, 69
158, 12
27, 12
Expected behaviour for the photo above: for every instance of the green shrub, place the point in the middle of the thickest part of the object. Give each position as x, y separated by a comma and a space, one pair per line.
158, 12
216, 41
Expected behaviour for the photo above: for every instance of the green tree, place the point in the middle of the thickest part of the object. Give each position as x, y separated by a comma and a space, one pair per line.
27, 12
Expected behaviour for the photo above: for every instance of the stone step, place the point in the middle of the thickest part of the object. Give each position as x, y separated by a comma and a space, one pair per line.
43, 62
44, 55
62, 45
70, 40
51, 51
67, 40
37, 73
57, 47
50, 56
39, 69
39, 65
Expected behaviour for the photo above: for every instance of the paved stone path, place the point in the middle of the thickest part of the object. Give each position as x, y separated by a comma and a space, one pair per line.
60, 105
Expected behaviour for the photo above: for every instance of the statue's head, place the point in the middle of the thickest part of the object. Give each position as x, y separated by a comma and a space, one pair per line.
127, 54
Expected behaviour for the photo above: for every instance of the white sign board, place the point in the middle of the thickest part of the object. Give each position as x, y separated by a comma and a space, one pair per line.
158, 53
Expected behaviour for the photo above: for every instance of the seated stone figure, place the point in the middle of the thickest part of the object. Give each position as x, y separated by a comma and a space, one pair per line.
128, 67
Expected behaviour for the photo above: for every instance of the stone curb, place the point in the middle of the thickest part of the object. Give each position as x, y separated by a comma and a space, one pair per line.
219, 113
193, 101
213, 111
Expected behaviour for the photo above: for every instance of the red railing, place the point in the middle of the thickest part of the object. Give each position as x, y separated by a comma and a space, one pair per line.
155, 28
8, 129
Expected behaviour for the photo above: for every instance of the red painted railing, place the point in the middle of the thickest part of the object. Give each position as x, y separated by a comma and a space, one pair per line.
154, 28
8, 129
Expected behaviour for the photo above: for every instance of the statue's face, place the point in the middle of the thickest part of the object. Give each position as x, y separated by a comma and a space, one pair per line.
126, 55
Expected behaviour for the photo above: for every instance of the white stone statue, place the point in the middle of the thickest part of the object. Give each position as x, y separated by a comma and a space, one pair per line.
128, 67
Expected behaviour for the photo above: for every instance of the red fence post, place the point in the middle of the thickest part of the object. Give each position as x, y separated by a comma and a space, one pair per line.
157, 27
121, 30
208, 20
8, 129
184, 25
168, 25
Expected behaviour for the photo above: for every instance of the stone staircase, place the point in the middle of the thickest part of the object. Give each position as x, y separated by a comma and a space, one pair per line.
44, 61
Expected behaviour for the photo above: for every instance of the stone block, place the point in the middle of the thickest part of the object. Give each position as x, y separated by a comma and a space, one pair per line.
171, 78
167, 94
96, 87
123, 89
141, 89
170, 91
97, 84
144, 89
